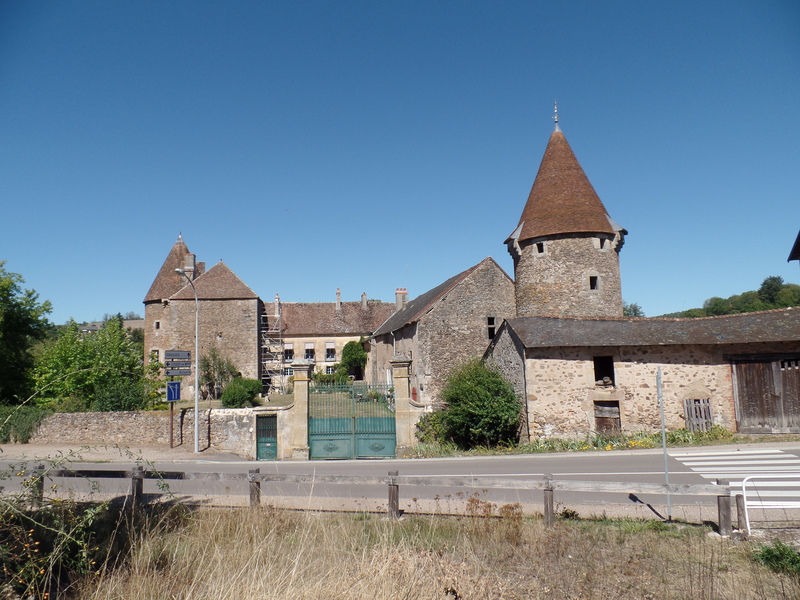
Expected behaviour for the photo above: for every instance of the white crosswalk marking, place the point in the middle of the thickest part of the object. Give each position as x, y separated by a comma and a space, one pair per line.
738, 464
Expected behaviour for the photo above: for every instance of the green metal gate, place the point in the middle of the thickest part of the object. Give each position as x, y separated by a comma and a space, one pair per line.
266, 437
351, 421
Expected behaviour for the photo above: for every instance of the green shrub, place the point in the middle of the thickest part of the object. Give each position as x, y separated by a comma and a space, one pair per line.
19, 423
240, 392
481, 407
779, 558
119, 394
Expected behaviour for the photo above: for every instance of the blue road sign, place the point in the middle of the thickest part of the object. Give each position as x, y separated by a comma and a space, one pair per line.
173, 391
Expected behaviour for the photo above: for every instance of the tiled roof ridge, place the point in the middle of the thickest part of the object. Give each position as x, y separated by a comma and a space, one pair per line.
664, 319
204, 284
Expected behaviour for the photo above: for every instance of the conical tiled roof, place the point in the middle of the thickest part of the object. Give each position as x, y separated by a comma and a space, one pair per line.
218, 283
562, 200
167, 282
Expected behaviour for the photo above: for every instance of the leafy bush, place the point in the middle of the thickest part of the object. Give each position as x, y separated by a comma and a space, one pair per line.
240, 392
19, 423
779, 558
481, 407
119, 394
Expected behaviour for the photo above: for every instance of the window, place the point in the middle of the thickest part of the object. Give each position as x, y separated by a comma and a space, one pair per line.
330, 351
594, 282
604, 370
540, 247
288, 371
154, 354
490, 327
309, 355
330, 370
288, 352
157, 325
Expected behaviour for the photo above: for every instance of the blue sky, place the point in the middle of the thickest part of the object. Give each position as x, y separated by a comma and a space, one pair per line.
370, 145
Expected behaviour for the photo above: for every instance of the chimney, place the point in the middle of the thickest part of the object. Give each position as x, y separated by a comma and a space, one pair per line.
189, 265
277, 306
364, 301
400, 298
338, 299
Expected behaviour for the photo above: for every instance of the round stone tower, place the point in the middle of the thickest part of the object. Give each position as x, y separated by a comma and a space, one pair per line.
566, 247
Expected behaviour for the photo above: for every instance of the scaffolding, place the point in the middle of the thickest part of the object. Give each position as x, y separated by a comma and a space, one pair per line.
272, 356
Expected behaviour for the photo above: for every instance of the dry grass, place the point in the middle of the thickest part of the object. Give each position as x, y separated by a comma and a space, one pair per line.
266, 554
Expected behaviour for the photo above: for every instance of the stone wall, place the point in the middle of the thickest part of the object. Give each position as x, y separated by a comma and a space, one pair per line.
553, 278
229, 430
232, 326
562, 388
508, 356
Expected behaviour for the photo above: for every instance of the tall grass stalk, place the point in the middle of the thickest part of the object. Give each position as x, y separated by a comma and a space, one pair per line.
272, 554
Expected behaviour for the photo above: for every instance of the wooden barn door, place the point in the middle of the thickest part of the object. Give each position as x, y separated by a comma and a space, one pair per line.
768, 395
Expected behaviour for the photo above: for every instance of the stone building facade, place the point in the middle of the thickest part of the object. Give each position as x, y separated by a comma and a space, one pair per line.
443, 327
229, 314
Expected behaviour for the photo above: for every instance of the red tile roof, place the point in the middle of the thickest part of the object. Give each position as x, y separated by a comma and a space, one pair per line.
167, 282
562, 200
218, 283
322, 318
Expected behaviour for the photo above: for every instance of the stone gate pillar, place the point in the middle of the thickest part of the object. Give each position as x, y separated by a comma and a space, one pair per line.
299, 420
405, 415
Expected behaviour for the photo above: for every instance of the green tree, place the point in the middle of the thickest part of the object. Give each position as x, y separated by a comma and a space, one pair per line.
768, 292
216, 371
354, 359
102, 370
632, 310
23, 322
481, 407
241, 392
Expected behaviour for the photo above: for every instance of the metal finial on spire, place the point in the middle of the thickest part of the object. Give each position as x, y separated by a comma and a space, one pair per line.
555, 115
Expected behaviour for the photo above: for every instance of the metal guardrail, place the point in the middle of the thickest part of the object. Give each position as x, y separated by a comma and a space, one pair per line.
255, 478
789, 496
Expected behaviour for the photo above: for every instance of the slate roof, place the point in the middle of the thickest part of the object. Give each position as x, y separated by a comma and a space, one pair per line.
322, 318
218, 283
562, 200
795, 253
781, 325
420, 305
167, 282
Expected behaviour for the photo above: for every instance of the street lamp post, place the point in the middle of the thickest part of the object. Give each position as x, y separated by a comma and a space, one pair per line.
196, 362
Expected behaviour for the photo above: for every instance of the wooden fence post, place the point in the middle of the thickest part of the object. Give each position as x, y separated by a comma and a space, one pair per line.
394, 496
740, 520
255, 488
37, 486
137, 485
549, 513
724, 510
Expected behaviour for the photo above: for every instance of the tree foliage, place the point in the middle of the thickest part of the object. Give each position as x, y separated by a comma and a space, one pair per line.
241, 392
216, 371
773, 293
632, 310
354, 359
23, 322
100, 371
481, 408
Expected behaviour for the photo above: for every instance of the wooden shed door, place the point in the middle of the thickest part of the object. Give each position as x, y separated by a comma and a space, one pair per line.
768, 395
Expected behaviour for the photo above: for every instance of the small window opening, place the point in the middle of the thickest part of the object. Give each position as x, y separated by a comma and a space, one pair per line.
540, 247
330, 354
309, 355
288, 354
490, 327
602, 243
157, 325
594, 282
604, 371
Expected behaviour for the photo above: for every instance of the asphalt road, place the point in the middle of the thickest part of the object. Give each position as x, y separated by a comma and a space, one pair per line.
637, 466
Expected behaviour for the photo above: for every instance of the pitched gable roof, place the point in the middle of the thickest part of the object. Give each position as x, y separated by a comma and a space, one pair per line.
562, 200
323, 318
423, 303
218, 283
767, 326
167, 282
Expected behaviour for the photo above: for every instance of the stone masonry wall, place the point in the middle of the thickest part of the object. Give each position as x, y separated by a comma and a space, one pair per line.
456, 328
562, 390
556, 281
229, 430
508, 355
229, 325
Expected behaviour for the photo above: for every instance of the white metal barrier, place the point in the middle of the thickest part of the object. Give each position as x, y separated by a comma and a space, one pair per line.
766, 497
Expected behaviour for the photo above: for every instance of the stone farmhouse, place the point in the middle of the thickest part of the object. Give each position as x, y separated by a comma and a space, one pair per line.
556, 330
579, 366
